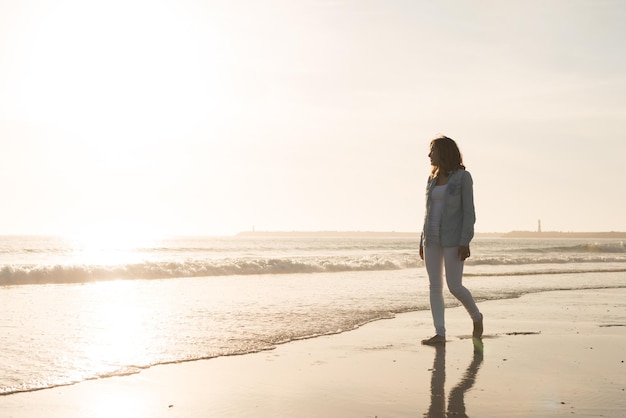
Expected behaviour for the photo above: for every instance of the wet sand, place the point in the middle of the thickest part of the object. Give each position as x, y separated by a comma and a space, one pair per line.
549, 354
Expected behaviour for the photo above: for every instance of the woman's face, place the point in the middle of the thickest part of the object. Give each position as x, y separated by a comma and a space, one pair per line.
434, 157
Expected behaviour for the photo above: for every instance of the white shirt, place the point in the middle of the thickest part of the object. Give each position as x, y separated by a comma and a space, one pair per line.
438, 196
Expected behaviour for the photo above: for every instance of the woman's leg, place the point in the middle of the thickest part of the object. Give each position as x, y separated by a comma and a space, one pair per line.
454, 278
433, 258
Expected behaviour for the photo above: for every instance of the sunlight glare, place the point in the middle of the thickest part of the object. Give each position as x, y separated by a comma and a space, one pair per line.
113, 242
120, 337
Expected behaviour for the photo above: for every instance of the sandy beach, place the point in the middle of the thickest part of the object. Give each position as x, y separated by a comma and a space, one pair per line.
548, 354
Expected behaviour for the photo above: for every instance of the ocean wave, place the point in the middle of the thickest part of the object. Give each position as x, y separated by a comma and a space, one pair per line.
17, 274
38, 274
546, 271
544, 259
592, 247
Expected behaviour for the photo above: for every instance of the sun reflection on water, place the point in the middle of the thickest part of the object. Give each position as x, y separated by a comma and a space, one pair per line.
118, 332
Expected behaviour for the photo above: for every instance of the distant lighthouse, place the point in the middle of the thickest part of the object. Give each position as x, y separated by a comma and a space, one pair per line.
539, 225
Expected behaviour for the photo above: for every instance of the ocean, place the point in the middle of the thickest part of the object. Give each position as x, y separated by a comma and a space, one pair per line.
72, 311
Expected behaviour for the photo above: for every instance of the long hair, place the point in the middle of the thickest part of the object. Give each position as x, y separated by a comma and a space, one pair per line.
449, 155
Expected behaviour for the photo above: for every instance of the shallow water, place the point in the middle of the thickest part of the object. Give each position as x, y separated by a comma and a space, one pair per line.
54, 334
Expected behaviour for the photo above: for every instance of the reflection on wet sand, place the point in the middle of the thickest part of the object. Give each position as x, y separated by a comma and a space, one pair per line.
456, 399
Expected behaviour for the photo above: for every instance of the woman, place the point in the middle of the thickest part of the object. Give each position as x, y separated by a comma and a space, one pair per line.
448, 230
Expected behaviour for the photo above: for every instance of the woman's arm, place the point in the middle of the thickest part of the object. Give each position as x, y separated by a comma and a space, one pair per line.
469, 215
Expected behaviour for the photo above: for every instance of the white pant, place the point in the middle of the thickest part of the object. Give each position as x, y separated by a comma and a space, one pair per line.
435, 258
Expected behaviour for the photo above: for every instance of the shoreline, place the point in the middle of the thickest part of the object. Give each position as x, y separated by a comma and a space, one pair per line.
546, 354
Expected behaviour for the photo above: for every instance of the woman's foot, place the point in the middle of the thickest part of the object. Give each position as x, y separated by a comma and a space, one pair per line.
436, 340
478, 328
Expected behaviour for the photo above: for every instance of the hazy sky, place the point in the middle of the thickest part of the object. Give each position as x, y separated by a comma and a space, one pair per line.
211, 117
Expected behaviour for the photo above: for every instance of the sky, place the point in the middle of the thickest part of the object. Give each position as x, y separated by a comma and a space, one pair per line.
208, 117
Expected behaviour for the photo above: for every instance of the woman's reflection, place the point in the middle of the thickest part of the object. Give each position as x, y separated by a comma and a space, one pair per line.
456, 400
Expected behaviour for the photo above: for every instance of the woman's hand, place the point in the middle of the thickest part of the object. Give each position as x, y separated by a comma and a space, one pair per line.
464, 252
